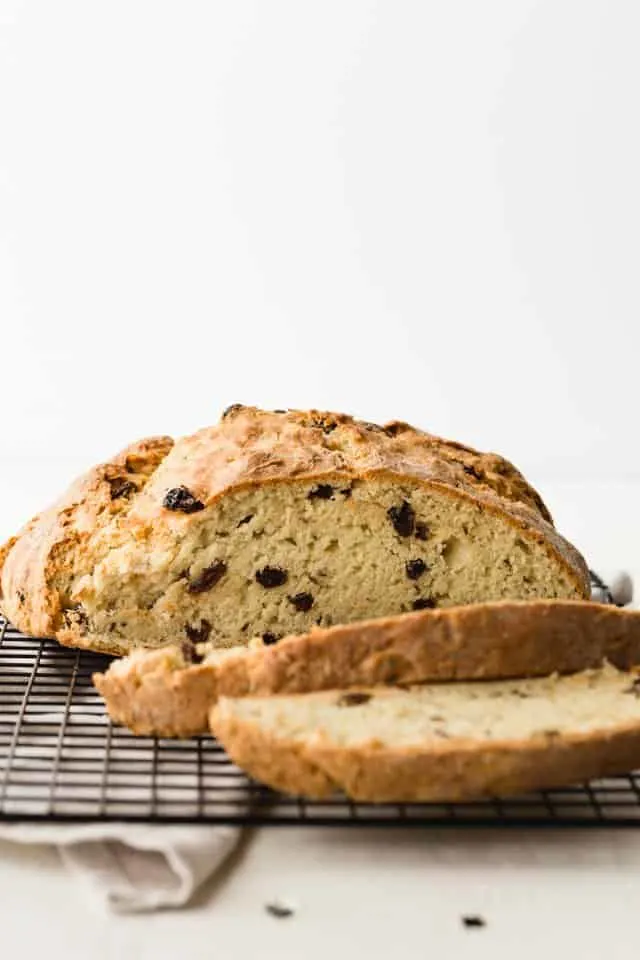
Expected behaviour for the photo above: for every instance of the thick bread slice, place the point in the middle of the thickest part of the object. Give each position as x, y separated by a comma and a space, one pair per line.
439, 742
271, 523
161, 692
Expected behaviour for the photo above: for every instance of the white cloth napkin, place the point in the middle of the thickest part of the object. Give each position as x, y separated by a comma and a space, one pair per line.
133, 868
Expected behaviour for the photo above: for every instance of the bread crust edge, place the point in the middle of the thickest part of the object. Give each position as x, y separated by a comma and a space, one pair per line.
158, 693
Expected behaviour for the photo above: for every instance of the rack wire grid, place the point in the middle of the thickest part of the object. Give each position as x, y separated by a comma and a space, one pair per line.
61, 759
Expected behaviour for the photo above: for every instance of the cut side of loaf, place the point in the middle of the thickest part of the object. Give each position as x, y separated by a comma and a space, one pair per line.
165, 693
271, 523
437, 742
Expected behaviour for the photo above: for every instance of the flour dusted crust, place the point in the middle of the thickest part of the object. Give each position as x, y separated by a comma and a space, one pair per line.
113, 573
162, 693
452, 768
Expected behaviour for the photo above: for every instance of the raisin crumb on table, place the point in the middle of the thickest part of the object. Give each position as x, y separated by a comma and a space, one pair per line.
279, 910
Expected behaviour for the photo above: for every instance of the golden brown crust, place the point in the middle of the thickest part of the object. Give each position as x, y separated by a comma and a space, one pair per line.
251, 447
160, 702
450, 772
158, 693
38, 565
248, 448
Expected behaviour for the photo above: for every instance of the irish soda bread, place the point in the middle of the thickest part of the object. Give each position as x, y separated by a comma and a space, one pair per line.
439, 742
270, 523
169, 692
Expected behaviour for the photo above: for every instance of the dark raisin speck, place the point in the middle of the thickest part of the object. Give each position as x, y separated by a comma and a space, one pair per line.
21, 597
270, 638
234, 408
346, 493
198, 634
247, 519
270, 577
278, 910
423, 603
471, 921
415, 568
472, 472
393, 429
208, 577
189, 652
421, 531
634, 689
179, 498
279, 411
301, 601
324, 491
403, 519
120, 487
354, 699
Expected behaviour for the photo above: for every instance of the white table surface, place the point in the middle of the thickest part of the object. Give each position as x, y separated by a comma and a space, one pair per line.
362, 892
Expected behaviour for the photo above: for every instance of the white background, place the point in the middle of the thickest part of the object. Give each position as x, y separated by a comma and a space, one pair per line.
426, 210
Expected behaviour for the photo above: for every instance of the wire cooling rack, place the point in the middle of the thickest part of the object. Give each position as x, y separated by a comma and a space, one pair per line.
61, 759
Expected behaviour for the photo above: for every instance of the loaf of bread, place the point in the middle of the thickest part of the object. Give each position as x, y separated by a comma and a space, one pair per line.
170, 691
437, 742
270, 523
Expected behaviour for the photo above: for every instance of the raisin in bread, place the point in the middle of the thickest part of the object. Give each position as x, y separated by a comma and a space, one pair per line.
169, 692
271, 522
438, 742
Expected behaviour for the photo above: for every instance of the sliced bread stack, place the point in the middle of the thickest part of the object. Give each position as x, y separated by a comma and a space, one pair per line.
170, 691
376, 710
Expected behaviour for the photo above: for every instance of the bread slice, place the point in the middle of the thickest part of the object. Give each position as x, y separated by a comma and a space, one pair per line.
163, 692
271, 523
437, 742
